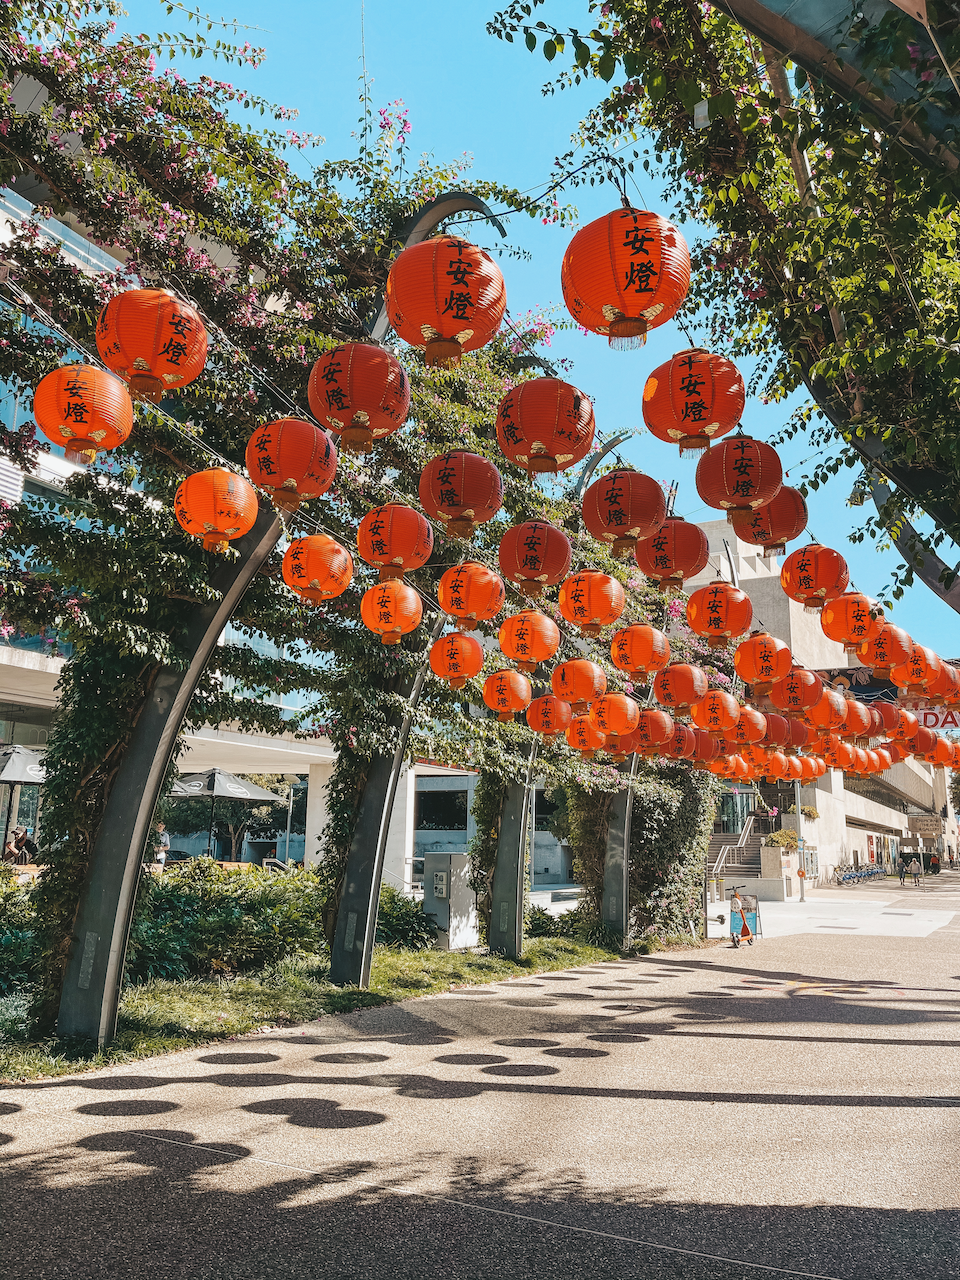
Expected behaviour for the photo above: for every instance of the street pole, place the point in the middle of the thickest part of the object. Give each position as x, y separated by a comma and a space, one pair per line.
802, 867
286, 853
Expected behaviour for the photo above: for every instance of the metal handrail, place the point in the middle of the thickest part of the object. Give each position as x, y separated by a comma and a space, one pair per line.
727, 848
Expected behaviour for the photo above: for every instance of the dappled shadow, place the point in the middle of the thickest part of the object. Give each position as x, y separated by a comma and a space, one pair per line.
315, 1113
162, 1203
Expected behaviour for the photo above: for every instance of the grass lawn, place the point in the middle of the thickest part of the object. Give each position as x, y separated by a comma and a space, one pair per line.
158, 1017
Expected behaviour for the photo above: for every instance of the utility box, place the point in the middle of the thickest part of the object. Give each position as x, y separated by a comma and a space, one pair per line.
449, 900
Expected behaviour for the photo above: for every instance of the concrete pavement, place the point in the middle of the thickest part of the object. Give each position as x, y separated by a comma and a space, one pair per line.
788, 1109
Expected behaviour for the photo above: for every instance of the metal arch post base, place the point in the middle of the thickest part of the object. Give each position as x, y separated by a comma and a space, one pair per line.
91, 989
616, 864
506, 907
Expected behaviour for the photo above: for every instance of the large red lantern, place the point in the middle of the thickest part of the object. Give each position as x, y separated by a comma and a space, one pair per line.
920, 671
923, 743
751, 726
719, 611
391, 609
778, 730
893, 721
639, 650
717, 713
360, 392
797, 692
830, 713
506, 693
738, 475
446, 296
84, 409
945, 687
456, 658
762, 660
394, 539
654, 732
624, 274
677, 551
799, 737
545, 425
317, 568
471, 593
623, 506
839, 755
591, 601
857, 721
682, 743
776, 523
152, 340
217, 506
615, 715
293, 460
529, 638
706, 747
535, 555
694, 398
461, 490
679, 686
578, 682
583, 737
549, 715
889, 648
812, 575
852, 619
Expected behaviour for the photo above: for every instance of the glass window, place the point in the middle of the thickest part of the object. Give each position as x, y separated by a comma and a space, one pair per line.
441, 811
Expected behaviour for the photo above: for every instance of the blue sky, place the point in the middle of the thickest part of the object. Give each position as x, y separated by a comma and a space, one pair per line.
469, 92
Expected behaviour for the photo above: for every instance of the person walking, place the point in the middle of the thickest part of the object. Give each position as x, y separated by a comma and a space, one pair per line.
163, 845
934, 864
915, 869
902, 870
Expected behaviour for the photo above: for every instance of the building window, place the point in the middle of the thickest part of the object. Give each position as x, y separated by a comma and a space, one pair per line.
441, 811
543, 812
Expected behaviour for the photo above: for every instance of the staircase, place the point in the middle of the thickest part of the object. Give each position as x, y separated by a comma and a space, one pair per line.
741, 860
732, 856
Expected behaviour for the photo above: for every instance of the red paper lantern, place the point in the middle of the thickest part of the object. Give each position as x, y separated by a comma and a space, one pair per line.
624, 274
394, 538
799, 736
529, 638
889, 648
360, 392
549, 715
885, 759
578, 682
471, 593
738, 475
391, 609
84, 409
751, 726
892, 719
778, 730
679, 686
812, 575
762, 660
639, 650
293, 460
623, 506
655, 730
716, 712
840, 755
506, 693
776, 523
919, 671
677, 551
317, 568
830, 713
583, 737
719, 611
461, 490
694, 398
535, 555
217, 506
852, 619
591, 601
797, 692
615, 715
706, 747
545, 425
446, 296
923, 743
152, 340
456, 658
775, 766
857, 720
682, 743
944, 688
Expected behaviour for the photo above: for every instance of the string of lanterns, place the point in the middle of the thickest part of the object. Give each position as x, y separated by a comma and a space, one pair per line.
622, 275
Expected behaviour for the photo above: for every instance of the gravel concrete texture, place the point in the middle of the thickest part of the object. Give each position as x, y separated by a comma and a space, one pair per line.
787, 1109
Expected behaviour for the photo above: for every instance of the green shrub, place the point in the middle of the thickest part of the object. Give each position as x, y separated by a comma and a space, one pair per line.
16, 935
539, 923
402, 922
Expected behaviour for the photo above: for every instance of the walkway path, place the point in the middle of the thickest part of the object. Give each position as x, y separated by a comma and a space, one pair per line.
788, 1109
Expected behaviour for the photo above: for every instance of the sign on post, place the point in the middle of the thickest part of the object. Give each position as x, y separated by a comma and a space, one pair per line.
925, 824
